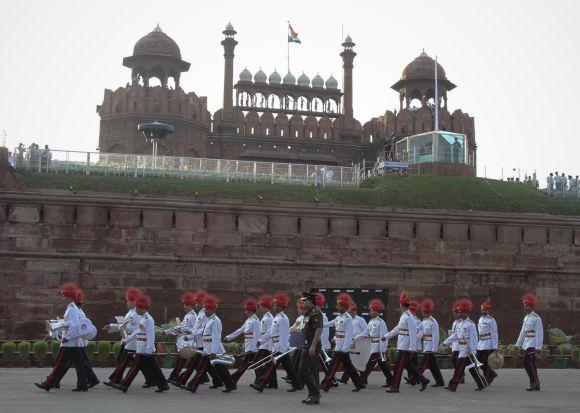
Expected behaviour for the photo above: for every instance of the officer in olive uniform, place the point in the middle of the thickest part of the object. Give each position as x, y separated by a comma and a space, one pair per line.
311, 332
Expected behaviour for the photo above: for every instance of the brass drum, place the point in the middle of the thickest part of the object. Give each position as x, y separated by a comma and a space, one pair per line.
495, 360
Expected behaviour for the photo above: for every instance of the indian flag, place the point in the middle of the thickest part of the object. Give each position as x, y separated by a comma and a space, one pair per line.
292, 35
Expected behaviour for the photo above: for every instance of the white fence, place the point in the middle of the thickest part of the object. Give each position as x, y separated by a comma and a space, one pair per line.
225, 170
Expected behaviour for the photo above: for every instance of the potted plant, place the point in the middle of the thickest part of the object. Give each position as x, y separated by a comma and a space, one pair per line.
117, 349
40, 349
104, 352
561, 359
165, 345
90, 350
54, 349
576, 357
392, 356
8, 353
24, 353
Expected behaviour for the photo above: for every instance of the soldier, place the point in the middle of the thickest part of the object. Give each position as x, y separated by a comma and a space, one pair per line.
251, 331
343, 340
531, 339
70, 346
295, 330
376, 329
185, 327
311, 333
406, 332
92, 379
144, 354
488, 340
455, 343
212, 347
466, 336
358, 326
131, 322
279, 334
414, 308
265, 348
430, 343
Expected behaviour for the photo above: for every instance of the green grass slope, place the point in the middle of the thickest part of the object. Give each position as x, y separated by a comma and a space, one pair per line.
429, 192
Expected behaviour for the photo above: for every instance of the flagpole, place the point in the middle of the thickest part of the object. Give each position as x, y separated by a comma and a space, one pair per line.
436, 98
288, 47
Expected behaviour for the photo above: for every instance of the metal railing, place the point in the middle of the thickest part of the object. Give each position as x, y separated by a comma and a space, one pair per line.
205, 169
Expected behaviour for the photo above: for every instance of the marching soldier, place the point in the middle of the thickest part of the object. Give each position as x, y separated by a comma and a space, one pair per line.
311, 333
297, 328
406, 332
414, 308
466, 336
92, 379
251, 331
212, 347
376, 329
265, 347
186, 326
144, 360
131, 323
430, 343
279, 334
70, 346
531, 339
488, 340
343, 339
455, 343
358, 326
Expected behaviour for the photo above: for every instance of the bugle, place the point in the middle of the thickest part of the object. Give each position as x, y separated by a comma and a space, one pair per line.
476, 364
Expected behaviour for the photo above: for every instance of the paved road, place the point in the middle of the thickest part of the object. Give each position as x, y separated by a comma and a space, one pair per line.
560, 394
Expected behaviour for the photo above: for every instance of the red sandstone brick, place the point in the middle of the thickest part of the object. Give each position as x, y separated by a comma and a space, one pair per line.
283, 225
401, 229
561, 236
125, 218
217, 222
252, 224
157, 218
454, 232
2, 213
428, 230
189, 221
509, 233
24, 213
535, 235
56, 214
372, 228
91, 216
482, 233
344, 227
313, 226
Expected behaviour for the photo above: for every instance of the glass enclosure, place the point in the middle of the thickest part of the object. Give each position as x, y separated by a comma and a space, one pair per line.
440, 146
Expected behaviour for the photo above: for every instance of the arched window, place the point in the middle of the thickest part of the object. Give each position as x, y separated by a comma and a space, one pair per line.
252, 130
295, 133
267, 131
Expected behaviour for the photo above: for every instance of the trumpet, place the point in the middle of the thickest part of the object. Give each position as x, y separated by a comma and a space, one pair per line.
55, 328
274, 357
225, 359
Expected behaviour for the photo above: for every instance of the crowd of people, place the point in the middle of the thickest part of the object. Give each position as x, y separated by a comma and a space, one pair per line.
267, 344
32, 156
559, 183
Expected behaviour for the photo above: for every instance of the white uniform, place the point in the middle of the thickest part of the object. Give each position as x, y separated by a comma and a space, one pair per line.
375, 330
532, 334
279, 333
454, 329
72, 317
130, 327
251, 331
298, 324
419, 327
343, 337
265, 325
143, 336
199, 325
325, 337
466, 335
406, 332
430, 335
212, 336
358, 325
487, 329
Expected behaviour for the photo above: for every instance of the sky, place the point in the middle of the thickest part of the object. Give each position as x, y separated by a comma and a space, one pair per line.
515, 63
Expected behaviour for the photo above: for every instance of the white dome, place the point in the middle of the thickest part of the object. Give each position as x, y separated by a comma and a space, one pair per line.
331, 83
245, 75
275, 78
303, 80
260, 76
317, 81
289, 79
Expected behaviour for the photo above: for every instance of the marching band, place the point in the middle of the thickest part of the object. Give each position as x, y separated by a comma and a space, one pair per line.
267, 344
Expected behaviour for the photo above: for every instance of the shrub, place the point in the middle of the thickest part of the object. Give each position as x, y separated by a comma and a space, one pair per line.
54, 348
91, 349
117, 348
104, 350
24, 350
40, 348
392, 354
576, 355
9, 350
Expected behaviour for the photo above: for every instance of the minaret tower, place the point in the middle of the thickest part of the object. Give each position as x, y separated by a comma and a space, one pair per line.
229, 44
347, 58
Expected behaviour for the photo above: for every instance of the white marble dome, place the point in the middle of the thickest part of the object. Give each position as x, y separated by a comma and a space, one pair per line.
260, 76
275, 78
317, 81
331, 83
245, 75
303, 80
289, 79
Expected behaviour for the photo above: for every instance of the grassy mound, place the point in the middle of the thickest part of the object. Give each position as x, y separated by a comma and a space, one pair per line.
430, 192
